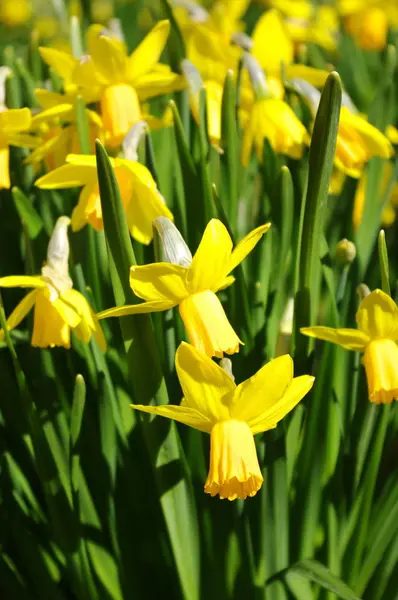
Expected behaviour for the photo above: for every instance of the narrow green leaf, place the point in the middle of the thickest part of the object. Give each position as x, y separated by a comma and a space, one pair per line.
384, 267
230, 147
321, 158
176, 45
30, 218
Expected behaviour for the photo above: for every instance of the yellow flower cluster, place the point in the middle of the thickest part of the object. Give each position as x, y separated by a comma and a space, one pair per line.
113, 86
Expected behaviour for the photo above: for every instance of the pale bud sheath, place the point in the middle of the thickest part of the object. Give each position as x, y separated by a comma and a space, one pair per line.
173, 248
58, 247
308, 91
257, 76
241, 39
226, 365
132, 139
4, 73
196, 13
192, 76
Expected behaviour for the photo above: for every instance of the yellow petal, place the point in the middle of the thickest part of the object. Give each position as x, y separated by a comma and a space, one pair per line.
20, 312
262, 391
207, 325
134, 309
147, 54
49, 327
23, 140
272, 42
351, 339
89, 325
84, 160
14, 120
158, 83
63, 63
120, 109
66, 176
377, 316
5, 182
110, 60
67, 312
234, 470
299, 387
376, 142
144, 204
60, 111
381, 364
315, 77
159, 282
22, 281
182, 414
210, 264
245, 246
206, 387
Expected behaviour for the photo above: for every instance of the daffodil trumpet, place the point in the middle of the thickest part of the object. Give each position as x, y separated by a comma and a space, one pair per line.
376, 337
58, 308
232, 415
191, 284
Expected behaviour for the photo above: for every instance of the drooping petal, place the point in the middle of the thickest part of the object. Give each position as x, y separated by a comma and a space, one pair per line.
206, 387
66, 176
147, 54
145, 203
299, 387
207, 325
245, 246
376, 142
29, 281
381, 364
262, 391
351, 339
20, 312
67, 312
234, 470
182, 414
159, 282
377, 316
210, 264
88, 325
134, 309
49, 327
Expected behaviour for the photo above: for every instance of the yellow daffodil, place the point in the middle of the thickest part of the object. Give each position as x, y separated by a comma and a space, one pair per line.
13, 125
357, 140
192, 284
122, 81
377, 337
271, 118
58, 308
368, 21
141, 198
232, 415
15, 13
307, 22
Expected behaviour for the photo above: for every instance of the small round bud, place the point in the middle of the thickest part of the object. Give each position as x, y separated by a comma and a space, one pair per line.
363, 291
226, 365
345, 252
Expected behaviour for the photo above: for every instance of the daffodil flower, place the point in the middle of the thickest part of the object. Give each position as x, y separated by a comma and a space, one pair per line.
271, 118
13, 125
58, 308
377, 337
123, 81
141, 198
232, 415
192, 285
368, 24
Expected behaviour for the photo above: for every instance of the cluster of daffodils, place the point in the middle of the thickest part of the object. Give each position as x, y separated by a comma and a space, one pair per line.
109, 91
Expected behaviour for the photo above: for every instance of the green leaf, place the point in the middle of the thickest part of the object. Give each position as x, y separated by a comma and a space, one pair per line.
230, 155
320, 167
30, 218
384, 267
317, 573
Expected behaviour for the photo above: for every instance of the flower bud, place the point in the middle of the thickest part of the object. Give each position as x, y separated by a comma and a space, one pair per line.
308, 91
257, 76
58, 247
132, 140
4, 73
241, 39
363, 291
348, 103
172, 246
196, 13
345, 252
195, 85
226, 365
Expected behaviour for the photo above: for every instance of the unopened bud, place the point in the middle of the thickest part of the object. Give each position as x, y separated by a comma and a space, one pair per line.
115, 28
348, 103
257, 76
345, 252
241, 39
132, 140
172, 246
308, 91
363, 291
192, 76
226, 365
